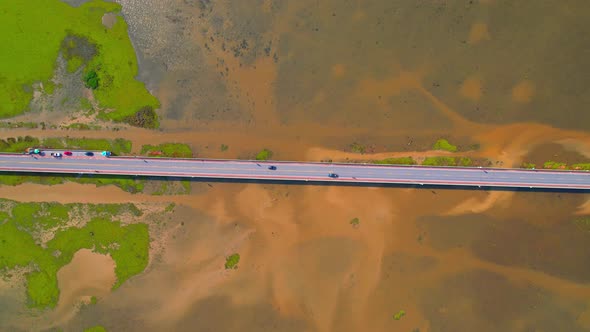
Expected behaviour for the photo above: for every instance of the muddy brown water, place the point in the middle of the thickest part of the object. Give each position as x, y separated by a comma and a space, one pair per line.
307, 79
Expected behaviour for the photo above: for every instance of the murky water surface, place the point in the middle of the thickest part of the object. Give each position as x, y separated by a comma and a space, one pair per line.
308, 78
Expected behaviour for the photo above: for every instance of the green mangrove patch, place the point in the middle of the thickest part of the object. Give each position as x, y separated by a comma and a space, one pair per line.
77, 33
40, 238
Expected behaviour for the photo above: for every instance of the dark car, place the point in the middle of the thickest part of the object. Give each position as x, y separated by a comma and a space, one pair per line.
89, 154
272, 168
333, 175
68, 153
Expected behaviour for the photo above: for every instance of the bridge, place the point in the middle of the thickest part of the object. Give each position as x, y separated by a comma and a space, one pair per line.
284, 171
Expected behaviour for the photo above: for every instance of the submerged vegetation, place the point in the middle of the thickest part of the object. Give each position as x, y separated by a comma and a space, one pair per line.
91, 80
39, 237
583, 223
357, 148
77, 33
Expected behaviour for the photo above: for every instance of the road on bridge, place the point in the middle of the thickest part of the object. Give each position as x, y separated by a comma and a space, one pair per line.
296, 171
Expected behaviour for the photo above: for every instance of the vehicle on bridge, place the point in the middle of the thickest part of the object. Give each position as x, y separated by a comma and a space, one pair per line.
272, 168
106, 153
333, 175
89, 154
32, 151
68, 153
56, 154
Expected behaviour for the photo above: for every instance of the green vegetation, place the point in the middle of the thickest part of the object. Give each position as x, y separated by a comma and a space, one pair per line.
559, 165
443, 144
224, 147
399, 315
146, 117
464, 161
357, 148
74, 63
93, 300
231, 262
91, 80
19, 144
355, 222
170, 207
129, 185
23, 227
554, 165
439, 161
118, 146
79, 35
130, 255
12, 125
265, 154
447, 161
97, 328
49, 87
583, 166
85, 104
396, 161
172, 186
174, 150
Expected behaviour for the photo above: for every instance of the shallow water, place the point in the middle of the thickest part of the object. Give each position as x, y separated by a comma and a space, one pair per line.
306, 79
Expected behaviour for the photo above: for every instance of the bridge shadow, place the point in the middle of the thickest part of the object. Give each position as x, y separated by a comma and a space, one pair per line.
106, 178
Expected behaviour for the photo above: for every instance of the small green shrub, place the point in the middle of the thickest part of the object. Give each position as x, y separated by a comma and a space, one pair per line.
231, 262
91, 80
265, 154
443, 144
224, 147
583, 166
554, 165
464, 161
355, 222
439, 161
399, 315
527, 165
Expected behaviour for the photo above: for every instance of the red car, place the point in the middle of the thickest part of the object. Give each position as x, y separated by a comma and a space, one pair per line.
68, 153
